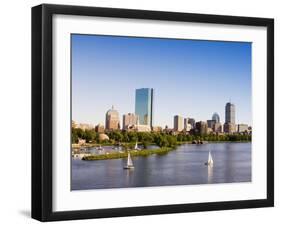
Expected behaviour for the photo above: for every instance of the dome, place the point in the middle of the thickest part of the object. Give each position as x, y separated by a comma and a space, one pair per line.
103, 136
216, 117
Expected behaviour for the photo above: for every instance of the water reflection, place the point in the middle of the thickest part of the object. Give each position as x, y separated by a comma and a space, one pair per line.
210, 174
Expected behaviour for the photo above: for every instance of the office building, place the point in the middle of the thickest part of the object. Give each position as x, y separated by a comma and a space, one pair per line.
230, 113
242, 128
178, 123
144, 106
129, 120
112, 121
191, 121
216, 117
211, 123
229, 128
186, 126
217, 128
201, 127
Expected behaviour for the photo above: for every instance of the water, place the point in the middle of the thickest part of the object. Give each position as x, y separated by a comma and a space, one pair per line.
184, 166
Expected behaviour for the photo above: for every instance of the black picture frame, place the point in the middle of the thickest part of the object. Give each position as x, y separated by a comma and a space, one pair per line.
42, 111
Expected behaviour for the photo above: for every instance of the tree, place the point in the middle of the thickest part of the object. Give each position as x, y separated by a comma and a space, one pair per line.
74, 136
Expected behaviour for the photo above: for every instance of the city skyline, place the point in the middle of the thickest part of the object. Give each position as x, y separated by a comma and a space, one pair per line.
179, 121
101, 77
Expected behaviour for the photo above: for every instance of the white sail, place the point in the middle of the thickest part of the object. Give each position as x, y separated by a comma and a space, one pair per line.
129, 161
136, 146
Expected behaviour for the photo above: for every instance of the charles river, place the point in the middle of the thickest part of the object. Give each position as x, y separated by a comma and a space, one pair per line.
184, 166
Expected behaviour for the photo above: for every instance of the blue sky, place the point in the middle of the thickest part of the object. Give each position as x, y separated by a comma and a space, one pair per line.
191, 78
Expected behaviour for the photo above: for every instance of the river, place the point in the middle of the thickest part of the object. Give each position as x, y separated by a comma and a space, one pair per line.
184, 166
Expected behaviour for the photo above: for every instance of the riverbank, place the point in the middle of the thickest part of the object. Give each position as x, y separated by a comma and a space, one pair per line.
88, 145
118, 155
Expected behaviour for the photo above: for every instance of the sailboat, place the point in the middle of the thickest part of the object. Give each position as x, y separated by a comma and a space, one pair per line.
129, 163
210, 160
136, 146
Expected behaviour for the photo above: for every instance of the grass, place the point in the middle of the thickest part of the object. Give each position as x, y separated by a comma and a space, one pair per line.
117, 155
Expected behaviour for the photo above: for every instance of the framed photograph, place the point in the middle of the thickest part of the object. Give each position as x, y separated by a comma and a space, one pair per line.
145, 112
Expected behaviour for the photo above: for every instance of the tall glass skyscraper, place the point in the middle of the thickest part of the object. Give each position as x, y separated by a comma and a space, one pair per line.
230, 113
144, 106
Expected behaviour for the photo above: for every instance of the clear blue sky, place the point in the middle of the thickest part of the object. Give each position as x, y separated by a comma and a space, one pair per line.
191, 78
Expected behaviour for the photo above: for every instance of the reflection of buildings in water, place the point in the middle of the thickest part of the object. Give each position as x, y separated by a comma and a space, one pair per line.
210, 174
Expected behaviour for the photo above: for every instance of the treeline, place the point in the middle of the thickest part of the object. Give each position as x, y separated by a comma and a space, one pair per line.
115, 137
214, 137
146, 138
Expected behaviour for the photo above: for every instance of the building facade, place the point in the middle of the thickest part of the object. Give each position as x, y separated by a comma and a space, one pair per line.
201, 127
144, 106
141, 128
216, 117
229, 128
157, 129
230, 113
242, 128
217, 127
112, 121
211, 123
129, 120
178, 123
99, 128
191, 121
186, 126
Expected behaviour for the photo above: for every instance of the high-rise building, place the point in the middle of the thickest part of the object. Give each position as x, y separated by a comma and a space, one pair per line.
211, 123
191, 121
129, 119
144, 106
112, 121
229, 125
230, 113
201, 127
178, 123
187, 126
216, 117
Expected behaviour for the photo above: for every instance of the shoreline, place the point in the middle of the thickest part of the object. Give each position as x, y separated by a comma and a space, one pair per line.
87, 145
134, 153
144, 152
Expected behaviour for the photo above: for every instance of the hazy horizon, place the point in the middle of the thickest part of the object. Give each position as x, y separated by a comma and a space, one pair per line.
191, 78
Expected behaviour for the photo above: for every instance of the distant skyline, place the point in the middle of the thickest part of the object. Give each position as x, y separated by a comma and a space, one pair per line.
191, 78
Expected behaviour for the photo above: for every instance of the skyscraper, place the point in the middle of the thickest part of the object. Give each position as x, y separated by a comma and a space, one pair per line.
178, 123
112, 121
229, 113
216, 117
144, 106
187, 126
191, 121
